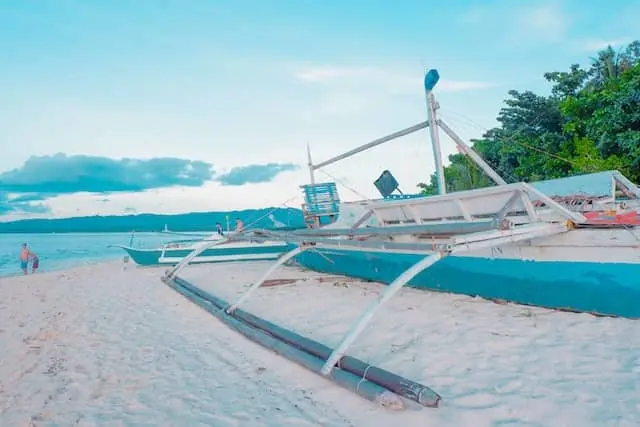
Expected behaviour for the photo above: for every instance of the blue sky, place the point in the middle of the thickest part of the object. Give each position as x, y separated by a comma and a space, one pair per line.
227, 93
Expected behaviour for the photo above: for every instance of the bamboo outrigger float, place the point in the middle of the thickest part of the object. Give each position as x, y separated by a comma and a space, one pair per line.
434, 242
370, 382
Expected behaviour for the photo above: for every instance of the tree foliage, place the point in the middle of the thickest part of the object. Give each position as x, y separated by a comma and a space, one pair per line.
590, 122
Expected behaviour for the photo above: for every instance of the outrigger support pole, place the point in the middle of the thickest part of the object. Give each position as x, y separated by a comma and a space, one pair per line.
284, 258
445, 250
367, 316
186, 260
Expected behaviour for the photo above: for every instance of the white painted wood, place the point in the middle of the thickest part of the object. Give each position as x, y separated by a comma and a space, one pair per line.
581, 245
221, 258
472, 154
286, 257
365, 318
463, 209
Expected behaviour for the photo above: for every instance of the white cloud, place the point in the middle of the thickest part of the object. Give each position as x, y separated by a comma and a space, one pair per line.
346, 103
463, 85
474, 15
390, 80
595, 45
210, 197
545, 21
325, 73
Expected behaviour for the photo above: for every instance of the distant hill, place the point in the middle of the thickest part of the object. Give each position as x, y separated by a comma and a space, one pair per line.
199, 221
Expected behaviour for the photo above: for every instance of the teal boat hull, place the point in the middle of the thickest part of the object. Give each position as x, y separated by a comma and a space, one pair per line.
605, 288
222, 253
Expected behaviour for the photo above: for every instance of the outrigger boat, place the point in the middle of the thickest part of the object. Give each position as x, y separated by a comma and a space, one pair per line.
524, 243
533, 244
173, 252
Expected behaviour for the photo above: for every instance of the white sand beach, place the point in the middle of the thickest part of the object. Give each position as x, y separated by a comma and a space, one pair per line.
108, 345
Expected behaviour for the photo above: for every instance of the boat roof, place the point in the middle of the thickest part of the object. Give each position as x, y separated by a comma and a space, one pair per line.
592, 185
598, 184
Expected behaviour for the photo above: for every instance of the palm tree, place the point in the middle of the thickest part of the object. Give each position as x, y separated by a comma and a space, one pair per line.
605, 66
609, 64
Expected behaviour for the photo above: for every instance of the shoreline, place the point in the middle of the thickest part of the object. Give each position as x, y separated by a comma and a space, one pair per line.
59, 267
61, 251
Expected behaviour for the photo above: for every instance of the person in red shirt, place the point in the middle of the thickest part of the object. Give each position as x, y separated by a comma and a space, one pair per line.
25, 256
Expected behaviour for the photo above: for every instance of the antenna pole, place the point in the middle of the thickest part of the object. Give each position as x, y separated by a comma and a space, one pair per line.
430, 81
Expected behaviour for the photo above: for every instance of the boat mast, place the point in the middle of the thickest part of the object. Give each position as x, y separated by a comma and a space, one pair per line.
312, 179
430, 81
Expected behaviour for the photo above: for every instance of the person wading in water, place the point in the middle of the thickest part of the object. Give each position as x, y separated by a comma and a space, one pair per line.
25, 256
35, 262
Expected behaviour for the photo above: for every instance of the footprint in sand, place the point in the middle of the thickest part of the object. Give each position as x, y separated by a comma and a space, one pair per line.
34, 349
446, 381
475, 400
81, 370
507, 387
301, 422
514, 422
98, 391
242, 416
56, 365
224, 420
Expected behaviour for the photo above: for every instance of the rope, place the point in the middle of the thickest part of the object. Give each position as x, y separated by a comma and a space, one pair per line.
341, 182
284, 204
508, 177
364, 377
512, 138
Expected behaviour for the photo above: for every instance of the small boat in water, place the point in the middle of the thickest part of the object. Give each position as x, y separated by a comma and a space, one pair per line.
224, 251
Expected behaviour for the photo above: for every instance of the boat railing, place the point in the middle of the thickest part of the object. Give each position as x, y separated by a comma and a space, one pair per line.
466, 206
403, 196
437, 217
321, 203
432, 220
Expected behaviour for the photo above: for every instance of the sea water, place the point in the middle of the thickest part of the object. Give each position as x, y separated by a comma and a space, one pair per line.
66, 250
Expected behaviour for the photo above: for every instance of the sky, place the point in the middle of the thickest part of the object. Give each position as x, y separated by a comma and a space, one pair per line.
167, 106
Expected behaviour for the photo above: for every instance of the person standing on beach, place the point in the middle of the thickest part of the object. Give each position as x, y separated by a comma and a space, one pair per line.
25, 255
239, 226
35, 262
